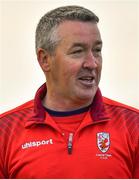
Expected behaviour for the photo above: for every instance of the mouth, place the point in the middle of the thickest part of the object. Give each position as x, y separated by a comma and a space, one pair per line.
88, 81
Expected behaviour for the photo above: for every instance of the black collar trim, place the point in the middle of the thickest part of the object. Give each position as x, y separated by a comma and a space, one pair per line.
67, 113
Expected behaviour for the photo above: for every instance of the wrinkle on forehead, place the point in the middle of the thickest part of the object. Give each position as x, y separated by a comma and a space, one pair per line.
77, 32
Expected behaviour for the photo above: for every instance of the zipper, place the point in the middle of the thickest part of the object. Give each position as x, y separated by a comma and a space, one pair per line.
70, 140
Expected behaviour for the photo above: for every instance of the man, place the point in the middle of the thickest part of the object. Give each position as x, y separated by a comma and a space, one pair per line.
69, 130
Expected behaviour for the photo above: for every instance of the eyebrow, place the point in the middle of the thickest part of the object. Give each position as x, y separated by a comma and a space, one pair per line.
78, 45
84, 45
98, 42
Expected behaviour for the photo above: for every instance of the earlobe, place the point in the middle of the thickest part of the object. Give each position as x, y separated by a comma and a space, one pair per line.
43, 59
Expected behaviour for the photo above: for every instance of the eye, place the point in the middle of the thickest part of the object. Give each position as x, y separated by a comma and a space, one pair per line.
77, 51
97, 49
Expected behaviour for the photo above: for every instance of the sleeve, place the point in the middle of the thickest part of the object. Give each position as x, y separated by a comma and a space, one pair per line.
2, 149
136, 169
2, 176
136, 163
2, 173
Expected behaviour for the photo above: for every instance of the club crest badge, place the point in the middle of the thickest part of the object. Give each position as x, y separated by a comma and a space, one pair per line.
103, 141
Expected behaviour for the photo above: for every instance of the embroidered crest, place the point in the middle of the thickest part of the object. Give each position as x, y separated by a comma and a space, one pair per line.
103, 141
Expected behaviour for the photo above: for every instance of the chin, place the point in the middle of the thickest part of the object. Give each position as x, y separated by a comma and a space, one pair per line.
87, 95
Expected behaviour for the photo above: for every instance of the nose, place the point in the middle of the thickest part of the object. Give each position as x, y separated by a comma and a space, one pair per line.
90, 62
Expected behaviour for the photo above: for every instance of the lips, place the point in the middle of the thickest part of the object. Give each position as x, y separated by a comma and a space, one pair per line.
88, 81
86, 78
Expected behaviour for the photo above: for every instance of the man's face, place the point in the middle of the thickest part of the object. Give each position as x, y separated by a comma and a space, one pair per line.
76, 66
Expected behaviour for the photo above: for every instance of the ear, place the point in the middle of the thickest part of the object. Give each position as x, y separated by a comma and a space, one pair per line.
43, 59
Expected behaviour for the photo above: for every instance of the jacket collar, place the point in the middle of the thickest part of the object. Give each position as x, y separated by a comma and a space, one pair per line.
98, 112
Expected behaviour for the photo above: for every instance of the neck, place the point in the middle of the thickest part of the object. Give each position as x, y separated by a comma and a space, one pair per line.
61, 104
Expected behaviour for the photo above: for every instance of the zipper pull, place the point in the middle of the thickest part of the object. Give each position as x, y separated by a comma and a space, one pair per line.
70, 143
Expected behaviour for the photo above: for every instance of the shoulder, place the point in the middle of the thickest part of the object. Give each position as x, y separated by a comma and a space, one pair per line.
118, 105
124, 118
122, 113
12, 122
26, 106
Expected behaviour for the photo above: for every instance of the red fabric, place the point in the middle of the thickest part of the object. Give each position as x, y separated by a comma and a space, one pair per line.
69, 124
32, 144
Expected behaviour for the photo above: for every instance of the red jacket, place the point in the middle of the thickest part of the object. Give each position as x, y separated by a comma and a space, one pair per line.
106, 145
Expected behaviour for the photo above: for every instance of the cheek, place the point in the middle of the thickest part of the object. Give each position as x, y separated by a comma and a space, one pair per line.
99, 65
71, 70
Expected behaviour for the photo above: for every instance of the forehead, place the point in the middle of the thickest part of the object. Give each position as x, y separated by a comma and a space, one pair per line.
79, 31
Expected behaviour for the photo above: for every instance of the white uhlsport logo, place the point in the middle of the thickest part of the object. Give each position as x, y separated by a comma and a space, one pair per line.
103, 141
36, 143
